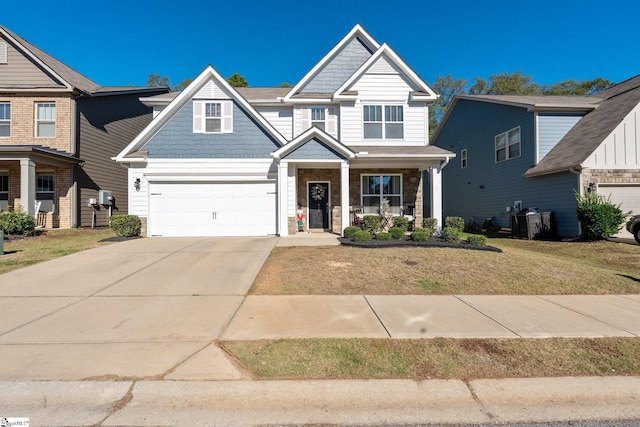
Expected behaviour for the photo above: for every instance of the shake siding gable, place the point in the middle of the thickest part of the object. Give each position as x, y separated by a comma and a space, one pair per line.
176, 139
314, 149
339, 69
551, 129
485, 188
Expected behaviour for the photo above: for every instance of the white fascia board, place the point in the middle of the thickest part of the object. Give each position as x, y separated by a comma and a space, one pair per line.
313, 101
385, 49
364, 155
306, 136
357, 30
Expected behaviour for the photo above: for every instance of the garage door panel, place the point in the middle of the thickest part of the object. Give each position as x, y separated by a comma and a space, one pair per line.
212, 209
627, 196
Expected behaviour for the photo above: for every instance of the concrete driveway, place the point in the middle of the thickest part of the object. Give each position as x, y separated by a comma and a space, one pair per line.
145, 308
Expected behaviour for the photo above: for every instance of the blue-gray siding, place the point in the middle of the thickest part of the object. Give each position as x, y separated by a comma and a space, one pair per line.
176, 139
485, 188
314, 149
551, 129
339, 69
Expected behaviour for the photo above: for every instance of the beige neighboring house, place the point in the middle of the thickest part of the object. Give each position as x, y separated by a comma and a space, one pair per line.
58, 131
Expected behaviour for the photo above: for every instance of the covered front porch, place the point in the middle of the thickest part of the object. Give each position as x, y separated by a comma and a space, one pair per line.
323, 181
39, 181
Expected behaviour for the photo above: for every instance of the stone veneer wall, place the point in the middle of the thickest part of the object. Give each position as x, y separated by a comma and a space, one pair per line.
411, 191
611, 176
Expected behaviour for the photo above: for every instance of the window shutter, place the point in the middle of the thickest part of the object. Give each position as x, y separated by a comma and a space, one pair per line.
305, 119
3, 53
198, 117
227, 117
331, 121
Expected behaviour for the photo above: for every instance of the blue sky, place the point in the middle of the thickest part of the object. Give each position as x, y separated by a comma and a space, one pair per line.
120, 42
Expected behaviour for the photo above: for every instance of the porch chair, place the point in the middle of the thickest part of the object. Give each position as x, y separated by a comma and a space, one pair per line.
358, 217
408, 212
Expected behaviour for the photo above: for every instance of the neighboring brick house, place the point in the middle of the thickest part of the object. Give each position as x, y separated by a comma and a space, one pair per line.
58, 132
538, 151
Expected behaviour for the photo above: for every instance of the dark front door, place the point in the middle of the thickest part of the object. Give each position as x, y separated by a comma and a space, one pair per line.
319, 205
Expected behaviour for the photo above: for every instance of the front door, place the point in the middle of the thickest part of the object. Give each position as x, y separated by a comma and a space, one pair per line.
318, 205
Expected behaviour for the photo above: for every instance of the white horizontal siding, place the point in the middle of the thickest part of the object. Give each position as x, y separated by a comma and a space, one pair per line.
383, 66
383, 87
280, 117
211, 90
621, 149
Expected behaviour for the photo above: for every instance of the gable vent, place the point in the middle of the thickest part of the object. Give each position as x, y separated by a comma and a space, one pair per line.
3, 53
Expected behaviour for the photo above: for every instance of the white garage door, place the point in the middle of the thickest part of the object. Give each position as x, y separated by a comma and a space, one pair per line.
212, 209
628, 196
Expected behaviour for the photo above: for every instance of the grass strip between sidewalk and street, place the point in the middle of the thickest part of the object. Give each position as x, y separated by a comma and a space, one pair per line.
439, 358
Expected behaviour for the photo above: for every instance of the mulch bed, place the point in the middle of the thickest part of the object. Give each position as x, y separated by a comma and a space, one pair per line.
434, 242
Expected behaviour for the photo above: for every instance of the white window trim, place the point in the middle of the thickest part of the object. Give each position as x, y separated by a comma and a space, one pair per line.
39, 121
506, 148
464, 162
384, 121
200, 119
323, 121
381, 195
6, 121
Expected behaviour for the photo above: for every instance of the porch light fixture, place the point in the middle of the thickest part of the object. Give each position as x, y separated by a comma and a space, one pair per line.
592, 187
136, 184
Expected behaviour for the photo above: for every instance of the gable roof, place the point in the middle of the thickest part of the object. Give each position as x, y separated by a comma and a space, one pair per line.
356, 33
69, 78
587, 135
131, 152
309, 135
423, 90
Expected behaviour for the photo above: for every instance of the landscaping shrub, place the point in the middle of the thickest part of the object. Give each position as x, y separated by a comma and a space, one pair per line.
372, 223
420, 236
600, 219
451, 235
17, 222
477, 240
125, 225
401, 221
454, 222
430, 225
383, 236
397, 232
350, 231
362, 236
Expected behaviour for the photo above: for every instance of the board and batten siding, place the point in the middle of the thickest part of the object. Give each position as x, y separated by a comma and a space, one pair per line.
552, 128
21, 72
106, 125
193, 170
280, 118
621, 149
339, 68
485, 188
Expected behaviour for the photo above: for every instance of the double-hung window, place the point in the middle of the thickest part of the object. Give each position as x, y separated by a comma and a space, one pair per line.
212, 117
45, 190
46, 119
5, 119
377, 190
377, 125
508, 145
318, 118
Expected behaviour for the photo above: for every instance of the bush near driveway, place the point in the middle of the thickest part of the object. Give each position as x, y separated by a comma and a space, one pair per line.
125, 225
600, 219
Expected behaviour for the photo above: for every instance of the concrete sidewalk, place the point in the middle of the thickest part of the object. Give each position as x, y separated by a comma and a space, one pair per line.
128, 334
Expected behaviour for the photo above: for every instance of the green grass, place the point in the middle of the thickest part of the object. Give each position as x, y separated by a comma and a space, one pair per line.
445, 358
22, 252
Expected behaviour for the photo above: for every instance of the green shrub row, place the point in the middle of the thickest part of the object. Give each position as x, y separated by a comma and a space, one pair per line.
17, 222
454, 222
477, 240
451, 234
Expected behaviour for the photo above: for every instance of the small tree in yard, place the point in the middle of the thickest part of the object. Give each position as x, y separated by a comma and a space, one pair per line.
600, 219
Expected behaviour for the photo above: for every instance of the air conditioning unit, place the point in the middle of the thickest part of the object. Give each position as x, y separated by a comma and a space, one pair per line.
105, 197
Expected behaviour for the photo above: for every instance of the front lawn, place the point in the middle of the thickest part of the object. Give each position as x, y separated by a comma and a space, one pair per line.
523, 268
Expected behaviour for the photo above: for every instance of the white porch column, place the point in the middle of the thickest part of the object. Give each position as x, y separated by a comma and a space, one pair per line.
435, 182
283, 222
344, 195
28, 185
